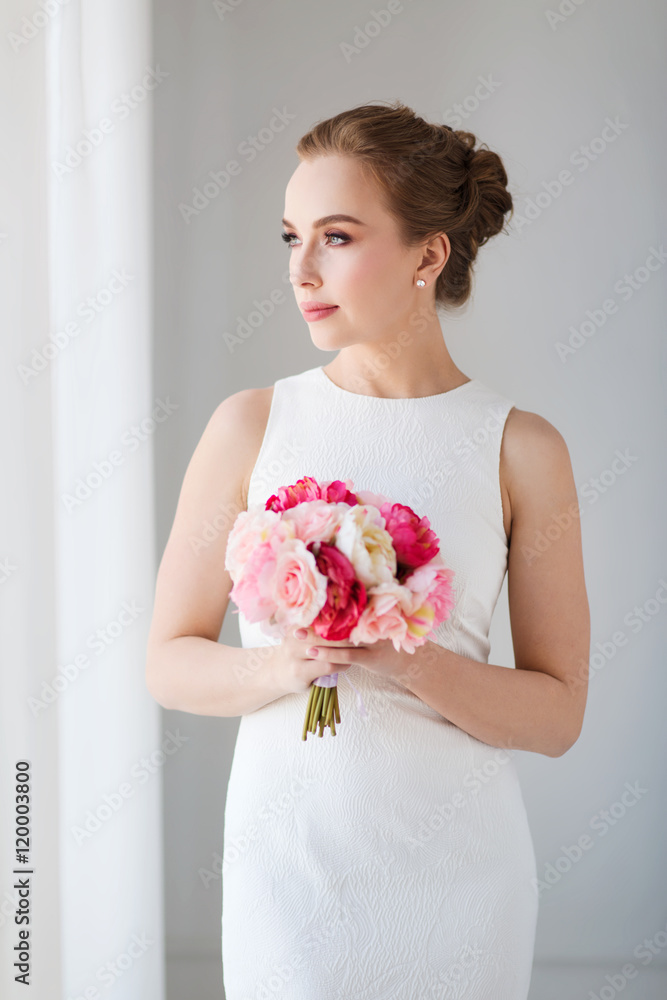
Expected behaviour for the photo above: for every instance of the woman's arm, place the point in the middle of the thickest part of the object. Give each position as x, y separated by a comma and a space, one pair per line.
186, 667
540, 705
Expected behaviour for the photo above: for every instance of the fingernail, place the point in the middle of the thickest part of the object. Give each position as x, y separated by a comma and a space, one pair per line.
313, 651
301, 633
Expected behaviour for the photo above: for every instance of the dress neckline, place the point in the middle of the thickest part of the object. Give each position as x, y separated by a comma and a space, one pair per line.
388, 399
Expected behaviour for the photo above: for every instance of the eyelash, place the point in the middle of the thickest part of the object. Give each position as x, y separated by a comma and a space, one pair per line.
286, 237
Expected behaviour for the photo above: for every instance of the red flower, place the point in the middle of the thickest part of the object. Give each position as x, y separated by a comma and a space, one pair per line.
346, 596
414, 541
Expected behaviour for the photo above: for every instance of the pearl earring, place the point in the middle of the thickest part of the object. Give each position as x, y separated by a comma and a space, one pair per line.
421, 282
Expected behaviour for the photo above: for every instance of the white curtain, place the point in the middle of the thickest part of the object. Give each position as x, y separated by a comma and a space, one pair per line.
77, 557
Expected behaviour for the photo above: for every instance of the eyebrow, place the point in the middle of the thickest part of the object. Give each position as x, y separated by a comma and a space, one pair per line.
327, 220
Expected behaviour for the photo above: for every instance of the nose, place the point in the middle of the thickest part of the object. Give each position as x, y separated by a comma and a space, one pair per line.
304, 276
303, 270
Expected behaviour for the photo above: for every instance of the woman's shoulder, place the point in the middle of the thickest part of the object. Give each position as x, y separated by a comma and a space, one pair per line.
234, 433
534, 460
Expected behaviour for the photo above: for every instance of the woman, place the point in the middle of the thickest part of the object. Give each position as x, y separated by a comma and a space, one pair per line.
394, 860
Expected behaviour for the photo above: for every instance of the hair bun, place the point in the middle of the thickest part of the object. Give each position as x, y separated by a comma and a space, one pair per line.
489, 199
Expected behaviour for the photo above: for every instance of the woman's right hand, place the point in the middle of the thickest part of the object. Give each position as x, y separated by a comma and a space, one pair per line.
294, 671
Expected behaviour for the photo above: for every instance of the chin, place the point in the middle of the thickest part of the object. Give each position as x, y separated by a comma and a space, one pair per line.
331, 340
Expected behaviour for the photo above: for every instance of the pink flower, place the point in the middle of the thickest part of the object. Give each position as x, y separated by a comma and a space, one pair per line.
383, 616
300, 589
337, 491
375, 499
308, 488
315, 520
441, 596
251, 528
345, 598
414, 541
253, 590
432, 584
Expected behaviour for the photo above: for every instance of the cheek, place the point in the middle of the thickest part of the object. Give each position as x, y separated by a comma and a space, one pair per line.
371, 277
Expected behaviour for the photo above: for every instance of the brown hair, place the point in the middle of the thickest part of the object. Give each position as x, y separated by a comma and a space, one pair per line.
432, 178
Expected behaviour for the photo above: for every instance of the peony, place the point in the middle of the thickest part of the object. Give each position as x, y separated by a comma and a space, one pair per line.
346, 596
315, 520
337, 491
253, 590
363, 539
375, 499
308, 488
349, 565
414, 541
251, 528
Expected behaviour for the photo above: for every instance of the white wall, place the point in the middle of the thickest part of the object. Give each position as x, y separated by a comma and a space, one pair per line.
554, 85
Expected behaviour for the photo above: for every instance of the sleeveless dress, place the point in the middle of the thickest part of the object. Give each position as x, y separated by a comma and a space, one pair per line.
393, 860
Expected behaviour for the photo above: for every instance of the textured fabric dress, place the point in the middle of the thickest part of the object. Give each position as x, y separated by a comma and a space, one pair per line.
394, 860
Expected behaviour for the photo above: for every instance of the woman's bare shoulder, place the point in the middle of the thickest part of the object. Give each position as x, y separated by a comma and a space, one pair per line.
238, 425
534, 459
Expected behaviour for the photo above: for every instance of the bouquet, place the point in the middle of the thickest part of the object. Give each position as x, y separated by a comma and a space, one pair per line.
350, 565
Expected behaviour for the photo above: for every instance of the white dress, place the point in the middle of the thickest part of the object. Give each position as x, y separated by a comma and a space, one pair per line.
392, 861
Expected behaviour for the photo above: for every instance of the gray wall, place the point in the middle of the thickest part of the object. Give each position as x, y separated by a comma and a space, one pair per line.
552, 84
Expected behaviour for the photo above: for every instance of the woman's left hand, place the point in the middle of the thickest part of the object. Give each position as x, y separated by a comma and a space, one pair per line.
379, 657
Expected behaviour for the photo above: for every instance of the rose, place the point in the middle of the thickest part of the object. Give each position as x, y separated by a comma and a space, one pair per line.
300, 590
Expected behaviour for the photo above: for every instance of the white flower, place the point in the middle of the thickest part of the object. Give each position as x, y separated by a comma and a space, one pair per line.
363, 538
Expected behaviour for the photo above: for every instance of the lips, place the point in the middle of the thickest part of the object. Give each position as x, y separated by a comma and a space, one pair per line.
313, 306
317, 310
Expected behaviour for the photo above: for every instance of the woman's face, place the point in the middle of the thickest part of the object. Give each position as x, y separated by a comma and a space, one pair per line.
359, 267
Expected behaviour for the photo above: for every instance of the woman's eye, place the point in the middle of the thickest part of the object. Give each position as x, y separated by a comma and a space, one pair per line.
288, 237
338, 236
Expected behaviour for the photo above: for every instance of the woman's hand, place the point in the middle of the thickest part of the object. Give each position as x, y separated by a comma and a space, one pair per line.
379, 657
295, 669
